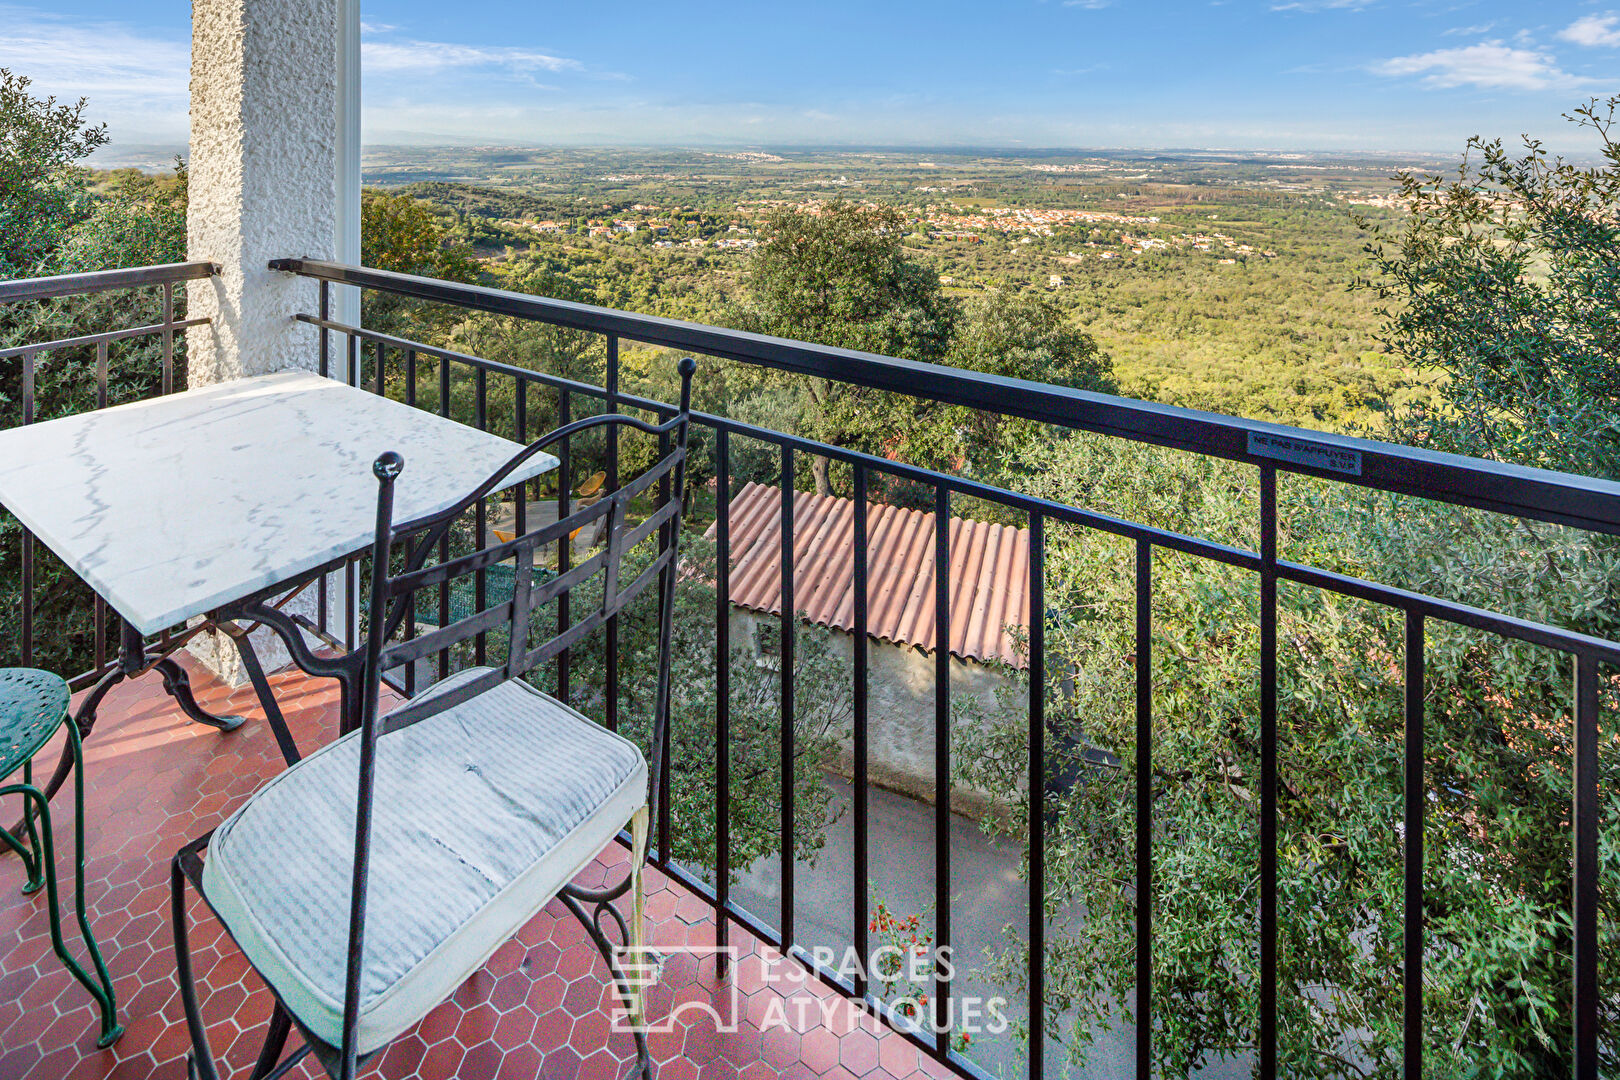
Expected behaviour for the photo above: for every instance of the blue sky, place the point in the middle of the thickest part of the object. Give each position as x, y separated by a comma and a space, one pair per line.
1330, 74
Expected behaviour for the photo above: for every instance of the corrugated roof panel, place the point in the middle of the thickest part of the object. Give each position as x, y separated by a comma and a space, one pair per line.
989, 571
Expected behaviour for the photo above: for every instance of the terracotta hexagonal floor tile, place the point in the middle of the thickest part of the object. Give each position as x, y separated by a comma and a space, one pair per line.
818, 1048
563, 1062
718, 1070
896, 1054
522, 1063
542, 1005
858, 1052
551, 1030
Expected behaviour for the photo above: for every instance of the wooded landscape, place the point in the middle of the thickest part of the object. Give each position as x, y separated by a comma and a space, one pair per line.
1473, 310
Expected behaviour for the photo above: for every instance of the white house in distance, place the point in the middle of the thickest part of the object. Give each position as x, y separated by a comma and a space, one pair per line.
989, 608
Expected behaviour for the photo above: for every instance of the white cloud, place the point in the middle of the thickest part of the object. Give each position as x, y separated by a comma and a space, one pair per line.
135, 80
1594, 30
1323, 5
430, 57
1490, 65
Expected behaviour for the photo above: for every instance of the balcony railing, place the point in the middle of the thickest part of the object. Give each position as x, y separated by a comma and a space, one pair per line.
147, 372
367, 358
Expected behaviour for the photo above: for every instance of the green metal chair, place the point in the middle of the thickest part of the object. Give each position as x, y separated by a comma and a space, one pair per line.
33, 704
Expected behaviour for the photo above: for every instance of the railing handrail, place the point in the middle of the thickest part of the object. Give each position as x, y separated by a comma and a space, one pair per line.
1543, 634
45, 288
1542, 494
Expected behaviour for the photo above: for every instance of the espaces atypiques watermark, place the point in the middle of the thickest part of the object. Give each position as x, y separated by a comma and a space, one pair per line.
902, 978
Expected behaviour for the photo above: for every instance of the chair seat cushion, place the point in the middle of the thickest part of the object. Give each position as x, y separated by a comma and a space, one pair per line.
481, 813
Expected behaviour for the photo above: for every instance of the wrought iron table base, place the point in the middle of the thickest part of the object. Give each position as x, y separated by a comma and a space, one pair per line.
134, 660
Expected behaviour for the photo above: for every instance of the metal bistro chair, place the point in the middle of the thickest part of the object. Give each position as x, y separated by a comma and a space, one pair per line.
370, 879
33, 704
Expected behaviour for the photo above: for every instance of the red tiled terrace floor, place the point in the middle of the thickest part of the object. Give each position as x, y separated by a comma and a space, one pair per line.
539, 1008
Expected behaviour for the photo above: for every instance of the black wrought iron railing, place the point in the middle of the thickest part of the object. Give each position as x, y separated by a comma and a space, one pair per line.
86, 367
347, 352
1270, 449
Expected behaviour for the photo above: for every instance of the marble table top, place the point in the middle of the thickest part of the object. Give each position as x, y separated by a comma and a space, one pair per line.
172, 507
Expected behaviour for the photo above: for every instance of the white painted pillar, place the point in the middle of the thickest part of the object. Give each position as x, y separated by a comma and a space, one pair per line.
268, 120
264, 103
345, 298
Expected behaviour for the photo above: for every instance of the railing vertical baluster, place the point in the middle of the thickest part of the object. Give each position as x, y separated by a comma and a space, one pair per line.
1412, 989
1036, 1067
168, 337
1144, 810
520, 434
410, 633
101, 374
100, 604
351, 607
611, 637
1268, 773
410, 599
444, 541
663, 823
325, 334
27, 658
862, 824
351, 610
101, 633
785, 654
1584, 912
481, 523
565, 544
322, 599
942, 762
379, 387
722, 688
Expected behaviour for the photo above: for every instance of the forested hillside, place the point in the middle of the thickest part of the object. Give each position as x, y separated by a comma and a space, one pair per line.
1214, 286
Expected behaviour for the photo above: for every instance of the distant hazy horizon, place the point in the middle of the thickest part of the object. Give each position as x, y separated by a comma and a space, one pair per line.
162, 155
1324, 75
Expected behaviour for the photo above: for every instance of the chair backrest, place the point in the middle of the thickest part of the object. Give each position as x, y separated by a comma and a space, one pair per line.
391, 604
392, 591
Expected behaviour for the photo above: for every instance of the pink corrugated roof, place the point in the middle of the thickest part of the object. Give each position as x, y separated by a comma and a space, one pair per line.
989, 571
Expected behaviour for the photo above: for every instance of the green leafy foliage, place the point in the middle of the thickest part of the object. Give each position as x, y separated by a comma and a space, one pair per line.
53, 221
1507, 278
1502, 281
402, 234
841, 276
42, 193
822, 714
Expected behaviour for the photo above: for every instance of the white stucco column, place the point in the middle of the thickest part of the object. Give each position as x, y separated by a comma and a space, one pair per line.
275, 173
264, 109
345, 298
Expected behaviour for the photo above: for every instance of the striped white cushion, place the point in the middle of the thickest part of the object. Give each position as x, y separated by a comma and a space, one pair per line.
481, 814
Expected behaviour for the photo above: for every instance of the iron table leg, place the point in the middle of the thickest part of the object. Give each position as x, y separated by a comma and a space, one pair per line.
178, 686
132, 660
261, 687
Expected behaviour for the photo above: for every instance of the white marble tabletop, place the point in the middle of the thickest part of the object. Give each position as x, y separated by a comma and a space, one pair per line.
171, 507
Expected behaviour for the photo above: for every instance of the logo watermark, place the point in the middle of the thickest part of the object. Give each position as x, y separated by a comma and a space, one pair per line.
904, 983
